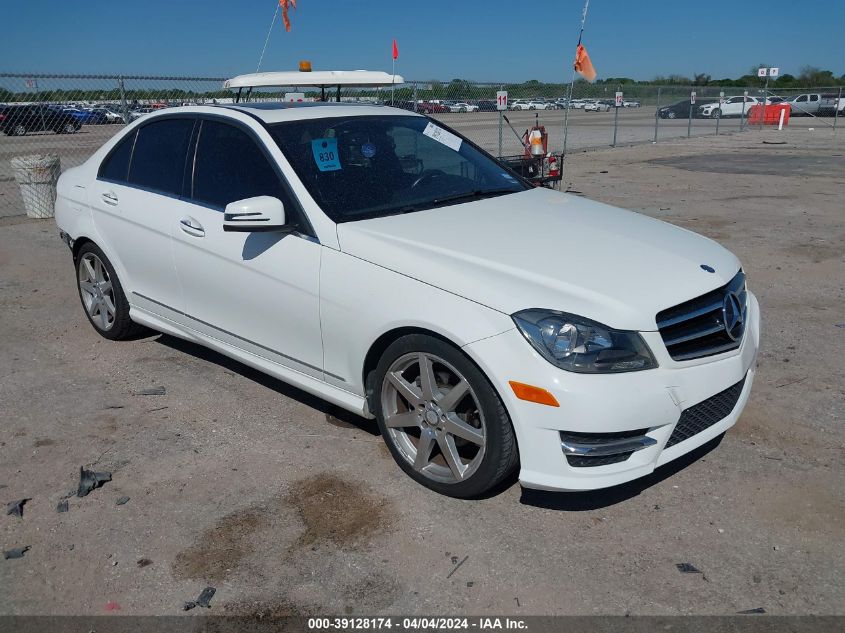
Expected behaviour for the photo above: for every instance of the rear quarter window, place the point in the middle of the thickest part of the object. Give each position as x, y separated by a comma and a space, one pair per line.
116, 165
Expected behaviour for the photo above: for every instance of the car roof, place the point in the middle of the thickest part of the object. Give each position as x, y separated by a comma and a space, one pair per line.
277, 112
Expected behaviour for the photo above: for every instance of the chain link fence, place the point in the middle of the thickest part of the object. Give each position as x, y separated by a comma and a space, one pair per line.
72, 115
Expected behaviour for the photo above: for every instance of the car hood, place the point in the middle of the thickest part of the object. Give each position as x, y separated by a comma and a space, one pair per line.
546, 249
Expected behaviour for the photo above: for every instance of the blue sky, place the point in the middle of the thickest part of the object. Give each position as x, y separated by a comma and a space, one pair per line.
486, 40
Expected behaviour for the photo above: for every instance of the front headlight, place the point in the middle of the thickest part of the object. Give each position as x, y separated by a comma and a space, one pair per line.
580, 345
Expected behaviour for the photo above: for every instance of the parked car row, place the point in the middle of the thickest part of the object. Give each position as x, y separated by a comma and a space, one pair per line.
67, 118
489, 105
808, 104
17, 120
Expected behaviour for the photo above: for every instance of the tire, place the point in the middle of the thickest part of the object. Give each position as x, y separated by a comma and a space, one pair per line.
671, 115
69, 128
98, 287
716, 114
471, 425
18, 130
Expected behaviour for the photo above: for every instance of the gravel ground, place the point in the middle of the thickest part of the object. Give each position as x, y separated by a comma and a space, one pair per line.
288, 506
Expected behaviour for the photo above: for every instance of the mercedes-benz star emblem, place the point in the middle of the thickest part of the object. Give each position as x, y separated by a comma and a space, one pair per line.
732, 314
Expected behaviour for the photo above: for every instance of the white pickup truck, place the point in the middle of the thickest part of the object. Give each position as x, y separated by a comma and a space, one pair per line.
816, 104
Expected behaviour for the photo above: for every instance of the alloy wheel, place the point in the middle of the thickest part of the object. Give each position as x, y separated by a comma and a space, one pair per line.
433, 417
97, 292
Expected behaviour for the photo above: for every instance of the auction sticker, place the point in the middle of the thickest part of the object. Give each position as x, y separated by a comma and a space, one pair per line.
442, 136
325, 154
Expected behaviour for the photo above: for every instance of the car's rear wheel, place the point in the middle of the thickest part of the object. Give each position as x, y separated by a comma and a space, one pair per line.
102, 295
19, 130
442, 420
69, 128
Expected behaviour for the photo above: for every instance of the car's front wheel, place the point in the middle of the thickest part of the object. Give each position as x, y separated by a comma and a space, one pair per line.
102, 295
442, 420
19, 129
671, 115
716, 114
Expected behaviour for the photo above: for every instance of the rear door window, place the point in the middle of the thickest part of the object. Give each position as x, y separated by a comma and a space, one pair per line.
158, 161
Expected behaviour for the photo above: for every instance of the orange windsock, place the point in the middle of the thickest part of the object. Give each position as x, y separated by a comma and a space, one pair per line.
583, 65
285, 4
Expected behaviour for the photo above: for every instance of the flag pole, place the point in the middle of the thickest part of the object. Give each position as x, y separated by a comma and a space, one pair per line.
393, 81
267, 39
569, 97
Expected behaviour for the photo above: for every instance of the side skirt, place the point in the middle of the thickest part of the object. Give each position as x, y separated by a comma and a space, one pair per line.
340, 397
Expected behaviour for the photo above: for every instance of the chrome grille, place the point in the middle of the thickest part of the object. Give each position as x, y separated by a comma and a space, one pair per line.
696, 328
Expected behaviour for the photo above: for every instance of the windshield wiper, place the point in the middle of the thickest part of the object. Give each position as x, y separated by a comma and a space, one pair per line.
383, 213
478, 193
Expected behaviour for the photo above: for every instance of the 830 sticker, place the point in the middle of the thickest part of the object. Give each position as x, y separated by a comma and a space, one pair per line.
325, 154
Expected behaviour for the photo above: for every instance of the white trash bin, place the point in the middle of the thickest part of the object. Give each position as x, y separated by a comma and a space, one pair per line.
37, 176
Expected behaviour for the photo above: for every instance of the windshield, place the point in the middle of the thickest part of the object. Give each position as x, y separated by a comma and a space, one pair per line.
364, 167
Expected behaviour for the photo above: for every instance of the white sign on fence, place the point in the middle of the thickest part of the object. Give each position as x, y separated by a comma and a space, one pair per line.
762, 72
722, 96
618, 99
502, 100
774, 71
692, 97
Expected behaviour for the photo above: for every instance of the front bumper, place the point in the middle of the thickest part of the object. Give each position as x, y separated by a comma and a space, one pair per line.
652, 401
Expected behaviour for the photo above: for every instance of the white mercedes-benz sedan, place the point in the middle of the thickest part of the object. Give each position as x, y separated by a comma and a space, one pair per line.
381, 261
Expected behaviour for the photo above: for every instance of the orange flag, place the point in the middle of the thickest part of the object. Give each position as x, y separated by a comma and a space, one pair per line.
583, 65
285, 4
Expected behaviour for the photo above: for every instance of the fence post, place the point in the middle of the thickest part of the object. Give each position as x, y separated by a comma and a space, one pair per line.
742, 114
689, 120
615, 122
719, 118
40, 105
656, 117
123, 105
765, 98
836, 109
415, 97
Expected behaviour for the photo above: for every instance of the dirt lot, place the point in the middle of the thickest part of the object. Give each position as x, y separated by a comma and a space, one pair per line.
288, 506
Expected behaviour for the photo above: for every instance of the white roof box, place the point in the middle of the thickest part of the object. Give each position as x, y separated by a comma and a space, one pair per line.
318, 78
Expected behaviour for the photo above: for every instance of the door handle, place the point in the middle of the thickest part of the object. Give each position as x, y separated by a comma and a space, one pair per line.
109, 198
191, 227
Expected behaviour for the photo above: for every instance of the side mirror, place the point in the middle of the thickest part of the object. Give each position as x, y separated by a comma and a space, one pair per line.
261, 213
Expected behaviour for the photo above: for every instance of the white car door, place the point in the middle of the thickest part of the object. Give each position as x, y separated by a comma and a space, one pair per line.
135, 200
255, 291
732, 106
